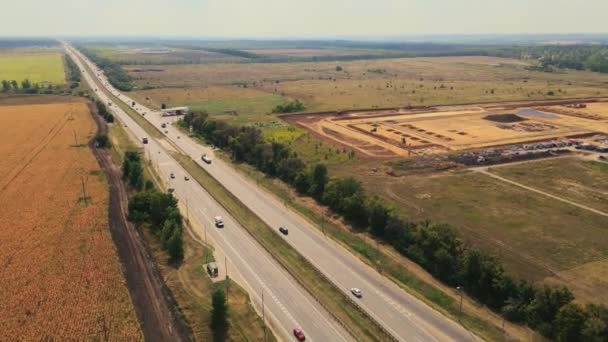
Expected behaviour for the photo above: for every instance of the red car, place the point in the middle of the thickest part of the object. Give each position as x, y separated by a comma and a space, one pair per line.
299, 334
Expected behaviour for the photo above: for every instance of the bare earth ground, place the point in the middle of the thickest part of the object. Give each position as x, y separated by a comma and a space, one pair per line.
60, 277
153, 301
407, 132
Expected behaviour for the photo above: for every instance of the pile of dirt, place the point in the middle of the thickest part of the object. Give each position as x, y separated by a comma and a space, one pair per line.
504, 118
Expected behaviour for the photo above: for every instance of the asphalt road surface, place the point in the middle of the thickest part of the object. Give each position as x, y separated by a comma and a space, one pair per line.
404, 316
286, 303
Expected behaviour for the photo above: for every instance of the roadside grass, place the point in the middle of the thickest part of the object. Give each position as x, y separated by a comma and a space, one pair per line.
41, 68
235, 104
354, 320
584, 182
387, 261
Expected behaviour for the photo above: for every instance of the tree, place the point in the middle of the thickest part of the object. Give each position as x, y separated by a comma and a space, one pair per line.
102, 141
175, 244
318, 181
14, 84
219, 315
569, 323
163, 106
596, 326
378, 216
6, 85
25, 84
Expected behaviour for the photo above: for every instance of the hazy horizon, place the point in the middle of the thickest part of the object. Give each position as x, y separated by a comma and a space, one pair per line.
313, 19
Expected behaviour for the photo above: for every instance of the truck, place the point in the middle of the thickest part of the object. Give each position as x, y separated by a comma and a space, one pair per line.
206, 159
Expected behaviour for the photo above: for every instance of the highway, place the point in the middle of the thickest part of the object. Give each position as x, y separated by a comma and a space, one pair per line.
286, 304
403, 315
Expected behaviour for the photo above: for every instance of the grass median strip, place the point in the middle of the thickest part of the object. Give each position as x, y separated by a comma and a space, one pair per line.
345, 311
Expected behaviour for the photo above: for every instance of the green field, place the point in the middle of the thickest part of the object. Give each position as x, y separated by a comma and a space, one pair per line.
584, 182
42, 68
384, 82
535, 236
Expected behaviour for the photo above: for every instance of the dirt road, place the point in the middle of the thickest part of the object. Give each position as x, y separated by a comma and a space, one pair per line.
486, 172
153, 301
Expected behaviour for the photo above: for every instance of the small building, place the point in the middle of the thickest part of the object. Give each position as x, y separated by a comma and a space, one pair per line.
175, 111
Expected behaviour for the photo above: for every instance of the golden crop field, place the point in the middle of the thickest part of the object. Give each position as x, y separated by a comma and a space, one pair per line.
60, 276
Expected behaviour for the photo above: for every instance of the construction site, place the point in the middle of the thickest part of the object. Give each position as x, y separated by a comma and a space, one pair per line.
403, 132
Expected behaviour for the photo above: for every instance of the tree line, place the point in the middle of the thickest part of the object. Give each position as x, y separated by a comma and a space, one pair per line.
117, 76
102, 110
25, 86
290, 107
434, 246
155, 210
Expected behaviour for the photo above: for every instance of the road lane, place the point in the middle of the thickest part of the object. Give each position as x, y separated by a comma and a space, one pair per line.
287, 304
400, 313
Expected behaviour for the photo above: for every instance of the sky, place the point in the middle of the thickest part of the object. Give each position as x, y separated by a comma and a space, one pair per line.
299, 18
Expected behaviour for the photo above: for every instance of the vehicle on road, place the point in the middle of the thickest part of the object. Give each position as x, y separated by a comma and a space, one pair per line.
144, 140
172, 175
186, 178
299, 334
284, 230
356, 292
166, 132
163, 125
219, 222
206, 159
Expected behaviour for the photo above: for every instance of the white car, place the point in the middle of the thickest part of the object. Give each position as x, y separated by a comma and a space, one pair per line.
219, 222
356, 292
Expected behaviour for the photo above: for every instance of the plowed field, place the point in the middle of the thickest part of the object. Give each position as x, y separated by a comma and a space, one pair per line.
60, 278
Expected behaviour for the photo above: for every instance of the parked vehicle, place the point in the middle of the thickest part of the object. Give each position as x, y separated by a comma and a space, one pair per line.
219, 222
212, 269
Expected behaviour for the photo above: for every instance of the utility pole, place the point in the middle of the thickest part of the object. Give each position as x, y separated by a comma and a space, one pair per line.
460, 289
226, 266
84, 190
263, 316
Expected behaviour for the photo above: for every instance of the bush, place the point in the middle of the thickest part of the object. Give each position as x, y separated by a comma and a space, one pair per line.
102, 141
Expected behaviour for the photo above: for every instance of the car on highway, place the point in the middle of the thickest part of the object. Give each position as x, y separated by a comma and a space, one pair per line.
284, 230
186, 178
163, 125
166, 132
206, 159
219, 222
356, 292
144, 140
299, 334
172, 175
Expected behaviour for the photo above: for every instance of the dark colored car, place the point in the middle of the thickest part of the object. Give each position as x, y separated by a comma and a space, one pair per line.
284, 230
299, 334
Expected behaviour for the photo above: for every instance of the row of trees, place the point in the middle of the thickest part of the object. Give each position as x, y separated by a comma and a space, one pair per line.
290, 107
73, 70
24, 86
153, 209
117, 76
102, 110
434, 246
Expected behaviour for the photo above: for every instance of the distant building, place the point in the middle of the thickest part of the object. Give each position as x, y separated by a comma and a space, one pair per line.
175, 111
